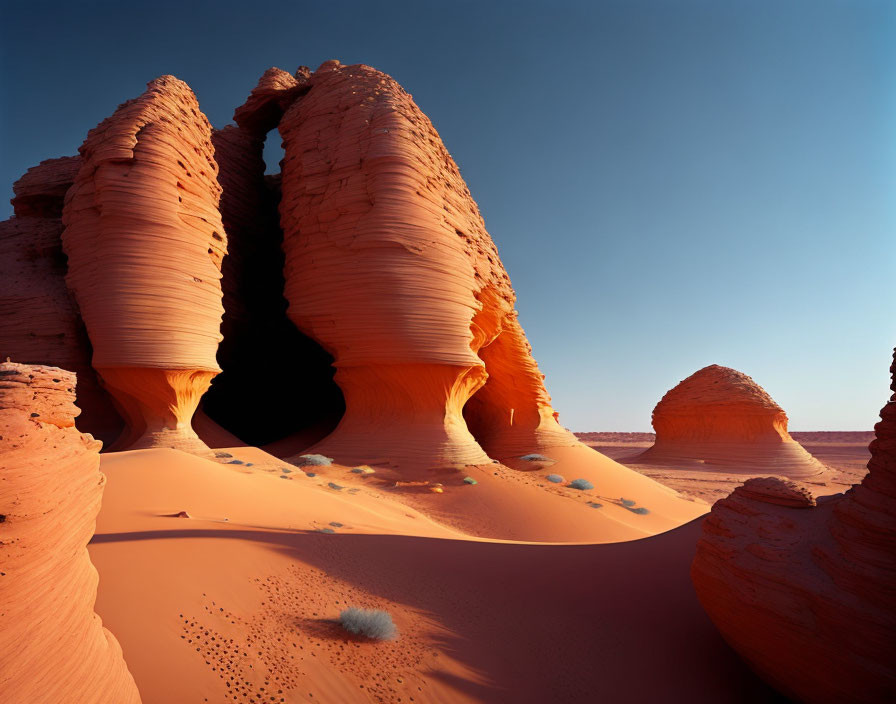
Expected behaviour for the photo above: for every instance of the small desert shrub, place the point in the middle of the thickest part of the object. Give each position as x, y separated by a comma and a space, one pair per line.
372, 623
582, 484
536, 458
641, 511
314, 461
470, 480
628, 503
556, 478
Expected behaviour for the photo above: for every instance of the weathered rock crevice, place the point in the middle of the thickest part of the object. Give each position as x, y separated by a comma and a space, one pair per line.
39, 319
257, 334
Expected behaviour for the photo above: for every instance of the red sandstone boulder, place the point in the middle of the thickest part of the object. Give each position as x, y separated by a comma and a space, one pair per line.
722, 419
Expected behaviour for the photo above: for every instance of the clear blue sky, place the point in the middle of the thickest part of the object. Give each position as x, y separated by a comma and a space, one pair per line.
670, 183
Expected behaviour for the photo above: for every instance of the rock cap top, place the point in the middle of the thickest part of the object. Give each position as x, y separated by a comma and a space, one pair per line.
776, 490
45, 394
717, 387
275, 91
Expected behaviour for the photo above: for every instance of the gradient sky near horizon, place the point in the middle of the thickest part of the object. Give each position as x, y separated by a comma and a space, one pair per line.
670, 183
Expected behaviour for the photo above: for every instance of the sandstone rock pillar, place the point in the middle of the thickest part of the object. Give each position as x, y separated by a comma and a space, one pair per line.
389, 267
53, 647
145, 242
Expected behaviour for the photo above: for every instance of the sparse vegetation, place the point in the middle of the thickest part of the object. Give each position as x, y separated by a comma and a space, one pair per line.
372, 623
581, 484
536, 458
470, 480
314, 461
555, 478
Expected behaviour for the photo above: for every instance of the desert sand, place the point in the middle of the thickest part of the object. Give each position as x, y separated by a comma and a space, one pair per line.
239, 600
844, 453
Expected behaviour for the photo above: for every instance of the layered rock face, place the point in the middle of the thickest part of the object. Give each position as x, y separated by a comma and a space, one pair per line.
53, 647
389, 267
39, 320
723, 419
805, 593
145, 242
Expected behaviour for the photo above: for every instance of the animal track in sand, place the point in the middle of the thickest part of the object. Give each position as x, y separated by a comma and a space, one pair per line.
264, 657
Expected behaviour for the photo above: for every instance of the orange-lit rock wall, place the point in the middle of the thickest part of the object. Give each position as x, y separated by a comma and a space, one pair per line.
389, 267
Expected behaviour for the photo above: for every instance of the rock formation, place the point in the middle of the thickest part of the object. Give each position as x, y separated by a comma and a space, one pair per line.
724, 420
145, 241
390, 276
39, 320
53, 647
389, 267
805, 593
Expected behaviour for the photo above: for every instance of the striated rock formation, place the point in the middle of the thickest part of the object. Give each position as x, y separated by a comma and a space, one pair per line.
723, 419
39, 320
145, 242
53, 647
807, 594
389, 267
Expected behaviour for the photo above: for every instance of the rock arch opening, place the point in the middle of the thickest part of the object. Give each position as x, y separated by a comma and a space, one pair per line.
276, 382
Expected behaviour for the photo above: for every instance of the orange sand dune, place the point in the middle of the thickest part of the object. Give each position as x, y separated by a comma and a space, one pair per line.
237, 602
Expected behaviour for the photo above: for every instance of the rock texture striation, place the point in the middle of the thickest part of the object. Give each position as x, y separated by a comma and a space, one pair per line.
724, 420
389, 267
805, 593
145, 243
53, 647
39, 319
